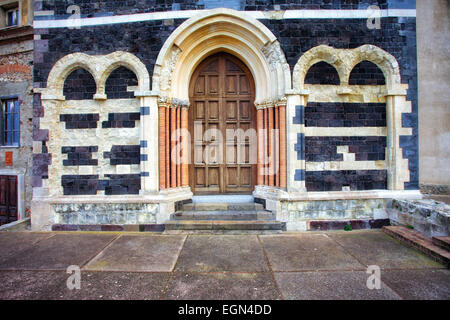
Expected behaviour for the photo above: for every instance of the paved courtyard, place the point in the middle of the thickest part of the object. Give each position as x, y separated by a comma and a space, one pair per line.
327, 265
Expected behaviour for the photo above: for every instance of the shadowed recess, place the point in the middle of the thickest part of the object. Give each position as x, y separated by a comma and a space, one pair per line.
367, 73
117, 83
322, 73
79, 85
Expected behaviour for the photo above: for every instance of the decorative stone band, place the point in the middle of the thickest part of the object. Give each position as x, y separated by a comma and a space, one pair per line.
43, 22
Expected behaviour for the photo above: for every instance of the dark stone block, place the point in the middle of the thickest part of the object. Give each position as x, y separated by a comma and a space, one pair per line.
367, 73
152, 227
345, 114
111, 227
322, 73
117, 83
336, 180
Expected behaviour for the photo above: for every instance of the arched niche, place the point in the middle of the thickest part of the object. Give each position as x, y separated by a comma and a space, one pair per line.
344, 60
100, 67
228, 31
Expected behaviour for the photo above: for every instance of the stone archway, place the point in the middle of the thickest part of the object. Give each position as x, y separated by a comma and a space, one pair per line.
233, 32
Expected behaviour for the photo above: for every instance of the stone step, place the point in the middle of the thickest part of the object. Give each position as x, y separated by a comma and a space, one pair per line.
221, 206
420, 242
212, 225
223, 215
443, 242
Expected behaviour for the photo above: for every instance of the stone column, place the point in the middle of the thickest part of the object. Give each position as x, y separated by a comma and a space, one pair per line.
149, 142
283, 146
296, 102
398, 171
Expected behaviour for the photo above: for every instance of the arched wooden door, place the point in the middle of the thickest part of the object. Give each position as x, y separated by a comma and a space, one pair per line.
222, 95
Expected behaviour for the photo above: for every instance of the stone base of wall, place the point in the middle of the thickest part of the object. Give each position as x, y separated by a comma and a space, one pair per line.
436, 189
105, 213
341, 225
110, 227
330, 214
426, 216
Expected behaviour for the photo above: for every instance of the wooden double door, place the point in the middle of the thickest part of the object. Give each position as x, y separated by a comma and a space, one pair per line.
8, 199
222, 119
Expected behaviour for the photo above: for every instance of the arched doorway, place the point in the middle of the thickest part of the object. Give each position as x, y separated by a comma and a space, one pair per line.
222, 123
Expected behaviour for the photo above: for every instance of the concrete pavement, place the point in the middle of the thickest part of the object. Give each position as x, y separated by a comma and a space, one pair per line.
326, 265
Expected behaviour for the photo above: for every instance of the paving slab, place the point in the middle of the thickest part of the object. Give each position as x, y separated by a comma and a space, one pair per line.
58, 252
14, 242
149, 253
222, 286
419, 284
116, 286
29, 285
307, 252
377, 248
203, 253
52, 285
336, 285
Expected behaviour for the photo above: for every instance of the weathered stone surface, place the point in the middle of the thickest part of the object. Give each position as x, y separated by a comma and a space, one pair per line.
419, 284
307, 252
222, 253
377, 248
222, 286
362, 209
58, 252
330, 286
139, 253
427, 216
106, 213
20, 240
52, 285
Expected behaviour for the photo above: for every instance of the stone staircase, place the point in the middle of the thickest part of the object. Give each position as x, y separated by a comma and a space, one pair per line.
228, 218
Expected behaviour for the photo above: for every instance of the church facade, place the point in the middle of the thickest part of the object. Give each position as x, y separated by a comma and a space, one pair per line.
309, 108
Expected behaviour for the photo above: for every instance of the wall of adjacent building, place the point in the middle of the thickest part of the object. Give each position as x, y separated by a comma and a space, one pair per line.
16, 79
433, 23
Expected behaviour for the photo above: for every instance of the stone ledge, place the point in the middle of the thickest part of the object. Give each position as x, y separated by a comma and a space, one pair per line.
420, 242
340, 225
110, 227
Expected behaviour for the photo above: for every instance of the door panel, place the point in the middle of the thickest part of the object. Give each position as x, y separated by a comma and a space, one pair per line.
222, 96
8, 199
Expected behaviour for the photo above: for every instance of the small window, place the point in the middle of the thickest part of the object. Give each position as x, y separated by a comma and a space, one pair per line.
10, 123
12, 17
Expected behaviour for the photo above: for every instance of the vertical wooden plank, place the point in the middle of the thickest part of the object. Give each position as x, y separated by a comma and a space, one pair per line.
178, 146
162, 151
167, 147
260, 133
185, 146
173, 165
271, 140
277, 146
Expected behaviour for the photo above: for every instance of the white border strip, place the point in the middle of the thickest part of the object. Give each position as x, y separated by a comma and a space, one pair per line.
185, 14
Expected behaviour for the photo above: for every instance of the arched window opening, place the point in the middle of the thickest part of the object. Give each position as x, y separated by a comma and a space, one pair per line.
116, 86
322, 73
367, 73
79, 85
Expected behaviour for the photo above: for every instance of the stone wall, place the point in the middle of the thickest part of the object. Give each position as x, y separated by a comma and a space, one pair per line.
16, 73
312, 215
105, 213
433, 23
426, 216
